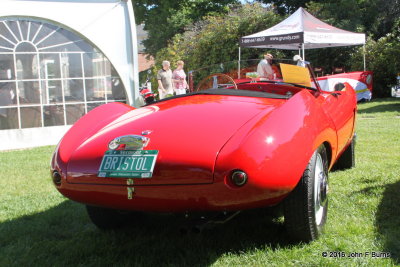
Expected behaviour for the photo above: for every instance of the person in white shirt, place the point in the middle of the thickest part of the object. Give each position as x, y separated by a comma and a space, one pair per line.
264, 68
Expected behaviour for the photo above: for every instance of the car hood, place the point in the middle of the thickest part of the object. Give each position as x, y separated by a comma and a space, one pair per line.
188, 134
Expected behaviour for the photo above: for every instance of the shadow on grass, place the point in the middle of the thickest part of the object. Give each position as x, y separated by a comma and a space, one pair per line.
63, 235
393, 106
388, 220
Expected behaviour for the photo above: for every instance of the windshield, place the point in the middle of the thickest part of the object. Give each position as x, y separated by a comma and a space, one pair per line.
239, 74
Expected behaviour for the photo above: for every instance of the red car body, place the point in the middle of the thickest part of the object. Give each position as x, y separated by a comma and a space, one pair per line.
201, 140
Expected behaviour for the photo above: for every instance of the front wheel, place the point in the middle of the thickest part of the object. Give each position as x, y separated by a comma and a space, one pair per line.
305, 209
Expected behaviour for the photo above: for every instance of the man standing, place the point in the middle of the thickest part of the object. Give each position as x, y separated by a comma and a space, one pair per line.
164, 77
264, 68
300, 61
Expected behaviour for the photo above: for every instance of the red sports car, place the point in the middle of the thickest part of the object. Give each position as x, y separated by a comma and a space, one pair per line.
239, 145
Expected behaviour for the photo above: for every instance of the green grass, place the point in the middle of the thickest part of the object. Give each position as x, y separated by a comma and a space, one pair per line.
39, 227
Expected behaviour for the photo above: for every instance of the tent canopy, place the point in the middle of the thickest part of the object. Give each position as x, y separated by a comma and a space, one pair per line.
302, 30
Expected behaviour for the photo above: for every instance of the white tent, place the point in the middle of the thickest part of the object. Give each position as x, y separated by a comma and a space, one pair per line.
63, 54
302, 31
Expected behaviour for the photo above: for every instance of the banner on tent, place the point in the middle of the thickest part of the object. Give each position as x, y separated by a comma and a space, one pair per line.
275, 39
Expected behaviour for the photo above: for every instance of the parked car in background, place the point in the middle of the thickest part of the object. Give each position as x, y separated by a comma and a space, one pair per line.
396, 88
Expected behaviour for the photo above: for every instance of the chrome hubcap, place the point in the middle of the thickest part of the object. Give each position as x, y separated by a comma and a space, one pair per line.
320, 190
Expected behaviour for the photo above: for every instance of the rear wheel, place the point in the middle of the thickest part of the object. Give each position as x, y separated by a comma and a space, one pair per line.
108, 219
305, 209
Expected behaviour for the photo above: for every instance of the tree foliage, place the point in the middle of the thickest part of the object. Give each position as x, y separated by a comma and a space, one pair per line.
164, 19
286, 6
383, 58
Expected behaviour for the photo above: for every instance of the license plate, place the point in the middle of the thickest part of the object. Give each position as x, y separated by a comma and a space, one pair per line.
128, 163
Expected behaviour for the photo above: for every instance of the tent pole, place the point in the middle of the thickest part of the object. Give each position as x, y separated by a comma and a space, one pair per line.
365, 66
302, 47
239, 64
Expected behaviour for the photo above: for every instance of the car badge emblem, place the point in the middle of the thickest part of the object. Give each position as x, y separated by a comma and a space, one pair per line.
129, 142
147, 132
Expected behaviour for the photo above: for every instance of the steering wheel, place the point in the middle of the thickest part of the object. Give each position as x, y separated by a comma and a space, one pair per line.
216, 81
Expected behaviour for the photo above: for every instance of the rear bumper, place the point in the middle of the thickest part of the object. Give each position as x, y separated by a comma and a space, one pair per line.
172, 198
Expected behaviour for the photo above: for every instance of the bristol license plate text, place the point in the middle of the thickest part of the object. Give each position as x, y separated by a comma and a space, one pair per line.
128, 163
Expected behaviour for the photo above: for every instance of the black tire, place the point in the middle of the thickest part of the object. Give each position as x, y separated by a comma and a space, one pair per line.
108, 219
306, 207
347, 160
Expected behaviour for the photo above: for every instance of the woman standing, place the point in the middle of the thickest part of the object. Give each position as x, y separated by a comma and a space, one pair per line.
179, 78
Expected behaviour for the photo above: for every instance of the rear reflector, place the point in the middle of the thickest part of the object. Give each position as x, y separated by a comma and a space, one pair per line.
56, 178
239, 178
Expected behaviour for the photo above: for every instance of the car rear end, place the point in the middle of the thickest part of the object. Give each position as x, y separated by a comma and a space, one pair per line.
175, 170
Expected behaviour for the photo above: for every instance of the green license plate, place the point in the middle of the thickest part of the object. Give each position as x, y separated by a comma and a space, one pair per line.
128, 163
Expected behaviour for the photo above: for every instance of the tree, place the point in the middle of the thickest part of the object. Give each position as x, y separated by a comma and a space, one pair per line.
383, 58
164, 19
286, 6
389, 12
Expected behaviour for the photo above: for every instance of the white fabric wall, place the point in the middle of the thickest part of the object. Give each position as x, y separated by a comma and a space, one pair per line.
108, 24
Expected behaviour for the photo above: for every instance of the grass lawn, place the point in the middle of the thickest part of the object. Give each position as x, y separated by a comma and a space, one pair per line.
39, 227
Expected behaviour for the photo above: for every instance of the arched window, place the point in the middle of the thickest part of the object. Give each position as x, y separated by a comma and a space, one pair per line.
50, 76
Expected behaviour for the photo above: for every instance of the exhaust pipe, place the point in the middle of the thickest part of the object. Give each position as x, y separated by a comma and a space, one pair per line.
198, 225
